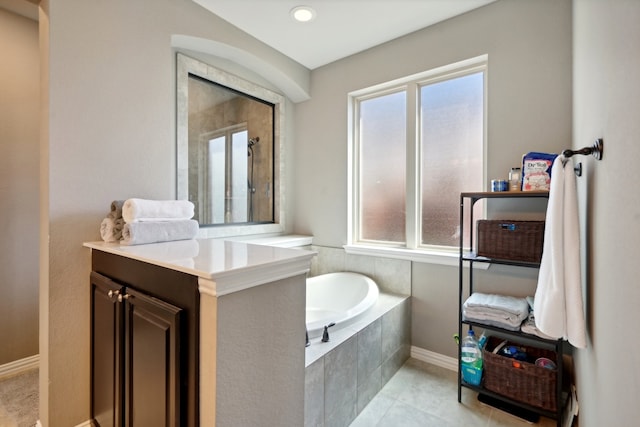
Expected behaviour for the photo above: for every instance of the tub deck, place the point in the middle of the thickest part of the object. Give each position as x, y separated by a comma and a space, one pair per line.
318, 349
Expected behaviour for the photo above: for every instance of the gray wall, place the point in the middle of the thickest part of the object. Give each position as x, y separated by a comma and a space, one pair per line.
607, 104
529, 109
19, 133
260, 355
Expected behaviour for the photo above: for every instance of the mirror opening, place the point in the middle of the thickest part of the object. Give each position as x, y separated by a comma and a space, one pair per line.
229, 142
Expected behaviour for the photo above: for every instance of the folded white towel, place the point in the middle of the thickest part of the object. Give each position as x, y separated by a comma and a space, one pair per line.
140, 210
504, 321
139, 233
498, 310
111, 229
509, 304
529, 327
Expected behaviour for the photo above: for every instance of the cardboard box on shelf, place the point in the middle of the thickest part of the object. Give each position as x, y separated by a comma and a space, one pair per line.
536, 171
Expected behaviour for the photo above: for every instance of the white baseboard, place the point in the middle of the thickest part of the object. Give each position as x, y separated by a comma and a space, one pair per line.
437, 359
88, 423
18, 366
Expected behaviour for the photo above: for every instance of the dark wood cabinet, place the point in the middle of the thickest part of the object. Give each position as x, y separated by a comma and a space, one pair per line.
152, 361
135, 357
107, 356
143, 346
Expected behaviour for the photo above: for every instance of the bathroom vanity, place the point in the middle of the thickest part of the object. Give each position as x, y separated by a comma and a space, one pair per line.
197, 332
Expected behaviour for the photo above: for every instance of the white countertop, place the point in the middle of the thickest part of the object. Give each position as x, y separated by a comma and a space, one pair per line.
222, 266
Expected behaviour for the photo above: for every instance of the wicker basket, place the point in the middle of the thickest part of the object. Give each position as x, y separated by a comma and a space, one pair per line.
511, 240
519, 380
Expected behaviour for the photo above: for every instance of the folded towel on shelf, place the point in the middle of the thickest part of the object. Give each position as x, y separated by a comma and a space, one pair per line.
111, 229
141, 210
500, 320
509, 304
116, 209
491, 321
498, 310
529, 327
139, 233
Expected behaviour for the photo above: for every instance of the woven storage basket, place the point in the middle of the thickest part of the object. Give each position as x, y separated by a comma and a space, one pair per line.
527, 383
511, 240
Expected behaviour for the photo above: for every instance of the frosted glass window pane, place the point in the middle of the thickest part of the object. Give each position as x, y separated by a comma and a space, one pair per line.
383, 167
217, 178
239, 178
451, 116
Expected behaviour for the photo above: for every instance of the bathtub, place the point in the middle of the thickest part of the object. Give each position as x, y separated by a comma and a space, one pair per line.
338, 298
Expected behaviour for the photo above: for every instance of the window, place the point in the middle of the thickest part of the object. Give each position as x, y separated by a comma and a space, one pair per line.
227, 175
416, 143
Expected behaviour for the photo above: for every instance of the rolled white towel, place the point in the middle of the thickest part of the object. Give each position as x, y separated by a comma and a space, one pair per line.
111, 229
140, 233
140, 210
116, 209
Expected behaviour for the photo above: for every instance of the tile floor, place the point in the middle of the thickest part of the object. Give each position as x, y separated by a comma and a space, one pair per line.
19, 400
425, 395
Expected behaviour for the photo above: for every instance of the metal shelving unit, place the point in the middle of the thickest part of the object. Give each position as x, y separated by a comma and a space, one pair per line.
471, 258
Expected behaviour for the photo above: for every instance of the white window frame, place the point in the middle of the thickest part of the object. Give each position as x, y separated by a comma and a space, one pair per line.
412, 249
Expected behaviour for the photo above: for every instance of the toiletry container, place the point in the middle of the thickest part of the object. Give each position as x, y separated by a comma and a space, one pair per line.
471, 359
514, 179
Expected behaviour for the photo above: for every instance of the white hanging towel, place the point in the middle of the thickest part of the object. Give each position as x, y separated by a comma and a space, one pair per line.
558, 304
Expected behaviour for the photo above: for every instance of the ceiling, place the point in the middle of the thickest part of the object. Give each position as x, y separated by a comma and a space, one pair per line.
340, 28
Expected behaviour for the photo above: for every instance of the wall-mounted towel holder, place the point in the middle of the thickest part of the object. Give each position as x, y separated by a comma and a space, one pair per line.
595, 150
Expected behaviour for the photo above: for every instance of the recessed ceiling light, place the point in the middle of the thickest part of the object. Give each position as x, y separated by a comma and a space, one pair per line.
303, 13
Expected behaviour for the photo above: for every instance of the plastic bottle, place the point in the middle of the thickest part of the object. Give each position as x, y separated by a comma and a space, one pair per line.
471, 359
514, 179
482, 341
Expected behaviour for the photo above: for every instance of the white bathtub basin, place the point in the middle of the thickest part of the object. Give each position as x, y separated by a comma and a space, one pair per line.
338, 298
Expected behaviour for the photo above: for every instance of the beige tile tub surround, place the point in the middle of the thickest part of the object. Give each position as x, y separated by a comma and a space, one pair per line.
358, 361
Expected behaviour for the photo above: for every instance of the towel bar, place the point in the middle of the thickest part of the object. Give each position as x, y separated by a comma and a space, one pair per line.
595, 150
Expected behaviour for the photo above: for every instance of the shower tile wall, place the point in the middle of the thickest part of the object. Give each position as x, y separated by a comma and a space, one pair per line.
391, 275
340, 384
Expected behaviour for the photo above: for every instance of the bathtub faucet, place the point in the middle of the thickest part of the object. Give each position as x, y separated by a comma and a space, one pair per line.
325, 334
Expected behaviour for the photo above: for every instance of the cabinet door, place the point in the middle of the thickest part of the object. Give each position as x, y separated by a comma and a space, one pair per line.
107, 334
152, 361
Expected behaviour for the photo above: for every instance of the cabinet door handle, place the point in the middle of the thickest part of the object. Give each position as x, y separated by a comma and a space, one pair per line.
123, 297
113, 293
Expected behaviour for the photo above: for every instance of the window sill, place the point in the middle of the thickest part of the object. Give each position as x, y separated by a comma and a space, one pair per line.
425, 256
278, 240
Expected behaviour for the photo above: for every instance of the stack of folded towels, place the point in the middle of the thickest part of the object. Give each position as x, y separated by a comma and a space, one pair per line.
140, 221
529, 325
497, 310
